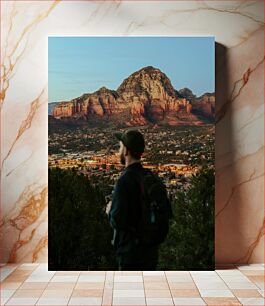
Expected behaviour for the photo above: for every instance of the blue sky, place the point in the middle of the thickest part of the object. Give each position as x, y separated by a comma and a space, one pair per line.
78, 65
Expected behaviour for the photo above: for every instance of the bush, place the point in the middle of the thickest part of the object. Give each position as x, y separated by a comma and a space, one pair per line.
190, 243
79, 231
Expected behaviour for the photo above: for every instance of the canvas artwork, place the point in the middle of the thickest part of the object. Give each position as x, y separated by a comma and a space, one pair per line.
131, 153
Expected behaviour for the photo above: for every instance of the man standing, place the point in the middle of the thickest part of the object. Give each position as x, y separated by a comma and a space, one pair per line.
125, 208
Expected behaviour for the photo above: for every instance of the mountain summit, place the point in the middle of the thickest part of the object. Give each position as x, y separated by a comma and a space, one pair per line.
147, 82
146, 96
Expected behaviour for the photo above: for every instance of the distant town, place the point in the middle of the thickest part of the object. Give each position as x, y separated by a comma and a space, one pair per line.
174, 153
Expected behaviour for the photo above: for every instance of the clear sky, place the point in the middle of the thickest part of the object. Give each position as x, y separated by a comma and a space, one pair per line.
79, 65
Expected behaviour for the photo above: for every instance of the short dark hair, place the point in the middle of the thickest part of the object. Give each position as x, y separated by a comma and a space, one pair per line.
135, 155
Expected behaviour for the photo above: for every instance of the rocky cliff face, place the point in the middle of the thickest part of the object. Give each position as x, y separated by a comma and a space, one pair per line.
146, 96
203, 106
187, 94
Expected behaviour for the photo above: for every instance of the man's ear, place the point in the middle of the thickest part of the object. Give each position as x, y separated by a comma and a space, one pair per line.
126, 151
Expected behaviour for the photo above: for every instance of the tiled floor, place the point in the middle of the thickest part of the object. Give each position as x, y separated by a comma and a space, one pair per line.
33, 284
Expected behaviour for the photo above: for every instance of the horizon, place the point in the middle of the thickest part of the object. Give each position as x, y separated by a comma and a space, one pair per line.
82, 65
120, 84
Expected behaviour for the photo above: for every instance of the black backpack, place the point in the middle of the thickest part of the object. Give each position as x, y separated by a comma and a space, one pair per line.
155, 209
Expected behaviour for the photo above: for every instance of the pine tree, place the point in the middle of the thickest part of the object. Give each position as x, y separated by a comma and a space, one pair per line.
190, 243
79, 231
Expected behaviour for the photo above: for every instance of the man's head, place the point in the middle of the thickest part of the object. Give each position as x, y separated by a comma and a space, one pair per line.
131, 145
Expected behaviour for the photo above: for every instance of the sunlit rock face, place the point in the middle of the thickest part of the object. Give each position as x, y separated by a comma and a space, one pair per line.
146, 95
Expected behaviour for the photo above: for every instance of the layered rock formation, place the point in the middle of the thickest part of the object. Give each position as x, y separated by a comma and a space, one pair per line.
146, 96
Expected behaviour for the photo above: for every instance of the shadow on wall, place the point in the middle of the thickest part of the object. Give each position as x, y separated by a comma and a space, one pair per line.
225, 146
221, 141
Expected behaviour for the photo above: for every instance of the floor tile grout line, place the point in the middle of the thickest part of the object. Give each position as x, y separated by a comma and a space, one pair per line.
216, 273
144, 288
112, 290
19, 285
104, 289
235, 289
74, 287
169, 288
199, 289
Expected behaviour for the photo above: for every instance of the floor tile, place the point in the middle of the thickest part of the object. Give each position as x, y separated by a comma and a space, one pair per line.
128, 293
39, 278
217, 301
60, 286
53, 301
253, 272
128, 273
7, 293
250, 267
128, 301
95, 272
130, 286
261, 292
203, 273
176, 273
39, 285
149, 293
64, 279
235, 279
28, 293
10, 285
241, 285
16, 278
56, 294
67, 273
22, 301
91, 278
6, 271
260, 285
156, 285
211, 285
87, 293
246, 293
20, 271
107, 297
153, 273
88, 285
251, 301
180, 279
233, 272
155, 278
128, 279
85, 301
177, 285
216, 293
255, 278
159, 301
188, 301
182, 293
3, 300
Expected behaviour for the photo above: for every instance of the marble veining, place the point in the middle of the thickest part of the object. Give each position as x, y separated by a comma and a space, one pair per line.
238, 27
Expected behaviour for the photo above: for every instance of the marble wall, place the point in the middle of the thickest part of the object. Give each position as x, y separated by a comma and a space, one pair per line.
238, 27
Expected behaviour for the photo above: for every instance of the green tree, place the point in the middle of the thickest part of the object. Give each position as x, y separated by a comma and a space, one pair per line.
190, 243
79, 231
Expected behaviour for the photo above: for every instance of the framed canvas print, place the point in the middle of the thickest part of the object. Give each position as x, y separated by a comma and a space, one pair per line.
131, 153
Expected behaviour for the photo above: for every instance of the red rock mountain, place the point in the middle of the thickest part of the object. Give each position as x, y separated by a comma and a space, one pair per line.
146, 96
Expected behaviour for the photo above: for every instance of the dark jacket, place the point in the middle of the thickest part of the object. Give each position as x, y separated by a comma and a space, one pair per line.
124, 216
